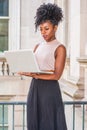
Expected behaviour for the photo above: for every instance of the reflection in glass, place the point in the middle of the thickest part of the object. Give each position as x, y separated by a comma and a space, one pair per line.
3, 35
3, 7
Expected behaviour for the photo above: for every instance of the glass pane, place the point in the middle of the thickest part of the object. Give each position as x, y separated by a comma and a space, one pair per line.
3, 7
0, 114
3, 35
5, 128
5, 114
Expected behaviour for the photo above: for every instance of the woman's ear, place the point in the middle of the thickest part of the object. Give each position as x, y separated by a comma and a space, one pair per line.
55, 28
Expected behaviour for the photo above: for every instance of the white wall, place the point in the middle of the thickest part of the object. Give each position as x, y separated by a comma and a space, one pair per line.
28, 35
14, 24
74, 37
83, 30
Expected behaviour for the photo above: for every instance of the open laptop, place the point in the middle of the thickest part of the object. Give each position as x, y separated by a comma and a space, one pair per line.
22, 61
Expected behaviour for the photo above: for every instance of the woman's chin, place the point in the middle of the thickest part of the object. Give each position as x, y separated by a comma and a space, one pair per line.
46, 39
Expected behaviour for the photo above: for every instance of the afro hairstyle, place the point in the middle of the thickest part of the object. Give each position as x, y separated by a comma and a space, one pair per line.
50, 12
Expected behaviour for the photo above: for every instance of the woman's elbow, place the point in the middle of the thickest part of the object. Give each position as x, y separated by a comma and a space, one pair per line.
57, 76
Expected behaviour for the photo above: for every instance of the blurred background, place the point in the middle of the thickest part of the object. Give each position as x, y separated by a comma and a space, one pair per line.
17, 31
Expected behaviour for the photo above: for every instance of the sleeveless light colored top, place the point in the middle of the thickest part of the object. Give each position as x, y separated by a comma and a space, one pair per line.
45, 54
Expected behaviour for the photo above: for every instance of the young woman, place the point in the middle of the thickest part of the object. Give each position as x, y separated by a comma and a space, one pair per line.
45, 110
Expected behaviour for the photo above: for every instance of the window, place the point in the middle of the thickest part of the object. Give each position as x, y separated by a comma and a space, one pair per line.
3, 34
3, 25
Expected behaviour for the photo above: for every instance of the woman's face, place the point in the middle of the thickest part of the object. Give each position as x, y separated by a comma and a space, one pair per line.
48, 30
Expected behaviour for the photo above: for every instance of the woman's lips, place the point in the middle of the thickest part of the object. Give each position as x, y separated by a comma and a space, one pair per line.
45, 36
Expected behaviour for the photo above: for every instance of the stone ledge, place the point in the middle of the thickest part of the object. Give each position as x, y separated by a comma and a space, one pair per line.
6, 97
72, 80
70, 89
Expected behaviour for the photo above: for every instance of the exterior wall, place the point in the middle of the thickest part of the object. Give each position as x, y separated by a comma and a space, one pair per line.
74, 37
21, 36
13, 88
28, 35
14, 24
71, 32
61, 27
83, 32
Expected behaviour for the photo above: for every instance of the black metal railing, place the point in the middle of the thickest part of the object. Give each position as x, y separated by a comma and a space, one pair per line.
17, 114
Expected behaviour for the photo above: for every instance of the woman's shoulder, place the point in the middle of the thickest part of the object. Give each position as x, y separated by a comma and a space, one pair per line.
60, 45
60, 49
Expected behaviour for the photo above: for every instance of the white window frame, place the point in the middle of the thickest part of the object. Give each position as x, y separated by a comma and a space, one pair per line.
14, 25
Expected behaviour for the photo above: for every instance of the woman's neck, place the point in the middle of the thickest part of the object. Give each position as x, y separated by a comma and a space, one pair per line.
53, 38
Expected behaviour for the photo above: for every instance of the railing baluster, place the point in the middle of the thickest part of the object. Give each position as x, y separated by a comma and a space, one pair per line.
83, 115
23, 117
3, 117
73, 116
13, 117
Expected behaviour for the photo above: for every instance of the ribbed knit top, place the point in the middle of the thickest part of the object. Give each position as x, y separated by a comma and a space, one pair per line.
45, 54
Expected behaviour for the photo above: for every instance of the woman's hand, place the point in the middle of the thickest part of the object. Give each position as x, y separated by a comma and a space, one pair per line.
34, 75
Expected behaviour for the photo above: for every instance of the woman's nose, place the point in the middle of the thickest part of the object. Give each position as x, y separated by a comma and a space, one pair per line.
43, 32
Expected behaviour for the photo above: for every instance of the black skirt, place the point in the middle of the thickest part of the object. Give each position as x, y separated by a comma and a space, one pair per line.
45, 110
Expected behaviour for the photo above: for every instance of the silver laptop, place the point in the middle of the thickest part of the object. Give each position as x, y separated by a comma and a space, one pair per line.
22, 61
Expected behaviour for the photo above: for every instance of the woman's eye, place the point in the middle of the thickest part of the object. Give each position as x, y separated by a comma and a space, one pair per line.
47, 29
40, 30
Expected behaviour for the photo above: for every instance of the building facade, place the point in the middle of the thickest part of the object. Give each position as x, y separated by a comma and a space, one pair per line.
17, 31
